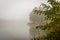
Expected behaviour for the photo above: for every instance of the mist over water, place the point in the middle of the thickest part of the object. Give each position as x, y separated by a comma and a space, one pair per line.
13, 30
14, 16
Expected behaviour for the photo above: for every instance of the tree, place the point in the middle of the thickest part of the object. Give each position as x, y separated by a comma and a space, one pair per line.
36, 20
51, 23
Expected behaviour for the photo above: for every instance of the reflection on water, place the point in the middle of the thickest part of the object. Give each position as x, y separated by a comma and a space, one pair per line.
13, 30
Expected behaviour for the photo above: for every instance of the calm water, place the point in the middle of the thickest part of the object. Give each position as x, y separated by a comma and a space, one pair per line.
14, 30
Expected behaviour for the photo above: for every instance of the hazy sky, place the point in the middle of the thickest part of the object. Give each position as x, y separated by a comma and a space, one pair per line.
18, 10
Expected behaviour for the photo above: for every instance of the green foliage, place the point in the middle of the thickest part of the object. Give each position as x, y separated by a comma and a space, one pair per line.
53, 28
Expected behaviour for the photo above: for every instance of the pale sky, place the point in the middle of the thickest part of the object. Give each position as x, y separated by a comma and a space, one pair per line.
17, 10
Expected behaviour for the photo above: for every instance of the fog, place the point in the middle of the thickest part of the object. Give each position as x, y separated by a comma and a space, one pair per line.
14, 16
